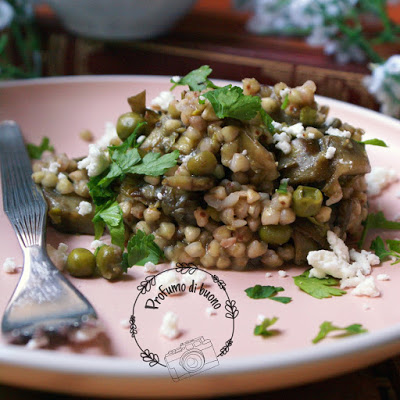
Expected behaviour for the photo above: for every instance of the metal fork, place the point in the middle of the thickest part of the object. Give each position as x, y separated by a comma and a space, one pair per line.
44, 301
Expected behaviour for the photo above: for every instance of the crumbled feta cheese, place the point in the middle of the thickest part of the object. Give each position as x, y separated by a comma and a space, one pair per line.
282, 273
61, 176
53, 167
168, 278
284, 92
86, 333
59, 256
198, 277
176, 78
244, 152
268, 274
295, 130
277, 125
378, 179
338, 246
9, 265
366, 307
330, 152
159, 196
163, 100
311, 135
169, 327
282, 142
95, 244
337, 132
84, 208
125, 323
383, 277
140, 139
352, 282
202, 98
110, 133
96, 161
150, 267
366, 288
210, 311
37, 342
260, 318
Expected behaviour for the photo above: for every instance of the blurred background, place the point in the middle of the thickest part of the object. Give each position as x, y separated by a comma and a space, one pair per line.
348, 47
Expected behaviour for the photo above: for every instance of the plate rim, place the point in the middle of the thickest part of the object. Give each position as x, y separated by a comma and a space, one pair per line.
46, 360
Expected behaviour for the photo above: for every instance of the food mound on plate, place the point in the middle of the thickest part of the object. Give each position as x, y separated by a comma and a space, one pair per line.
223, 177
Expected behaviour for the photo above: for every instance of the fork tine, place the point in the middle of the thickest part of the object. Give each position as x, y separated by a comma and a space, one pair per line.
44, 300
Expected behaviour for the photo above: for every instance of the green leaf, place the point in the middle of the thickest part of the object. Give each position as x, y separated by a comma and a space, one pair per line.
100, 194
230, 102
35, 152
318, 288
377, 221
143, 249
326, 327
154, 164
110, 214
267, 119
267, 292
283, 186
196, 80
394, 245
262, 329
378, 246
375, 142
285, 102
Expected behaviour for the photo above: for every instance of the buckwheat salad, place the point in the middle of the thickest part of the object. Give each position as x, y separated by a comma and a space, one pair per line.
224, 177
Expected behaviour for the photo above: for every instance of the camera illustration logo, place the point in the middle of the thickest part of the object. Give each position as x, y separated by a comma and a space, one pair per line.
191, 358
197, 355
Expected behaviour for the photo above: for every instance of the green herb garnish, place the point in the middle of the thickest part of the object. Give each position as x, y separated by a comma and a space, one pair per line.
285, 102
378, 246
267, 292
262, 329
326, 327
318, 288
283, 186
377, 221
197, 79
375, 142
35, 152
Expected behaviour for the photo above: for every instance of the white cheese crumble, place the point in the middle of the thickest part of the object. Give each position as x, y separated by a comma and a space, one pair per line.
125, 323
282, 273
84, 208
163, 100
198, 277
61, 175
159, 196
294, 130
260, 318
284, 92
202, 98
96, 161
150, 267
37, 343
169, 327
95, 244
378, 179
140, 139
330, 152
366, 288
244, 152
268, 274
311, 135
58, 256
168, 278
282, 142
337, 263
176, 78
337, 132
53, 167
86, 333
383, 277
210, 311
9, 265
110, 133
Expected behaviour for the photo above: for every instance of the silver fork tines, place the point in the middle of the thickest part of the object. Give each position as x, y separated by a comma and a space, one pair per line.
44, 301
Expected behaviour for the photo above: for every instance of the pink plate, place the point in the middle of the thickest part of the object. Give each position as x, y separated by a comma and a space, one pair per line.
112, 366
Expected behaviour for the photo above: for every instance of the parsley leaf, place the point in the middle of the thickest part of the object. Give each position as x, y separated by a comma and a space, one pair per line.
318, 288
375, 142
380, 250
267, 292
35, 152
196, 80
285, 102
100, 194
326, 327
283, 186
142, 249
262, 329
230, 102
267, 119
154, 164
377, 221
110, 214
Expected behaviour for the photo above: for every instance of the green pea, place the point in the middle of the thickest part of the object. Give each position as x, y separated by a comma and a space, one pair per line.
275, 234
308, 115
203, 163
127, 123
81, 263
307, 201
108, 261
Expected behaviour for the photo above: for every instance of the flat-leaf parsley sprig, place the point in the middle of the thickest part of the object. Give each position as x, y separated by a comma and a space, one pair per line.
393, 250
326, 327
267, 292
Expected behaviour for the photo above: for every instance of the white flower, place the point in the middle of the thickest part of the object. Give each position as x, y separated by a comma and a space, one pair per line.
384, 84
